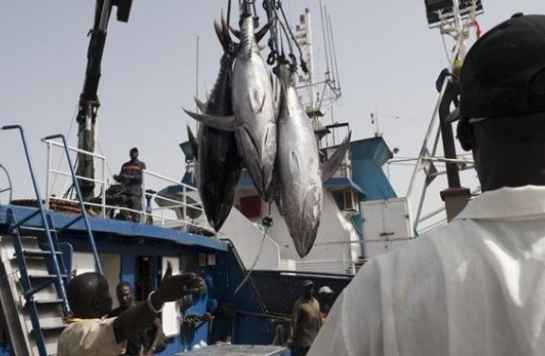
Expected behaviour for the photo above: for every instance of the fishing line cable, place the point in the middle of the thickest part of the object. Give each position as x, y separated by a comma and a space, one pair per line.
69, 133
301, 57
267, 223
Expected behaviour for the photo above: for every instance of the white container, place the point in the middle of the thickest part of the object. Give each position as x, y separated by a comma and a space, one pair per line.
387, 225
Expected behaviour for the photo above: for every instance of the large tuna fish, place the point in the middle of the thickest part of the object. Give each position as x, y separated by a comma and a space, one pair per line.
254, 119
300, 174
217, 170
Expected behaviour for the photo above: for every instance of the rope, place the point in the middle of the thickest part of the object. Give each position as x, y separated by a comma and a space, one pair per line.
267, 222
301, 57
68, 134
274, 41
284, 31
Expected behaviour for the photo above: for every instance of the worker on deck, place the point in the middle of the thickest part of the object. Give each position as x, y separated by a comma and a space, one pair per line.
475, 287
125, 298
142, 343
326, 297
131, 177
305, 321
89, 333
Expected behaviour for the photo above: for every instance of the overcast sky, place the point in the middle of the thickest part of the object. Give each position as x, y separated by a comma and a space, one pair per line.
388, 60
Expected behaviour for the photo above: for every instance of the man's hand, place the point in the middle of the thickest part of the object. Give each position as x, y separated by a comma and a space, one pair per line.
174, 288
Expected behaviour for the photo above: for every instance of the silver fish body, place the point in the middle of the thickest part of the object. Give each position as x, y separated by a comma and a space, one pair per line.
254, 110
298, 169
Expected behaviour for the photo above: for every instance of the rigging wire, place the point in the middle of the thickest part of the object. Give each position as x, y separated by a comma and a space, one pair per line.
267, 223
334, 52
326, 47
68, 135
287, 38
294, 39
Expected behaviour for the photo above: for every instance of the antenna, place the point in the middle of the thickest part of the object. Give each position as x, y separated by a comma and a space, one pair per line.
375, 121
197, 60
442, 12
453, 18
337, 79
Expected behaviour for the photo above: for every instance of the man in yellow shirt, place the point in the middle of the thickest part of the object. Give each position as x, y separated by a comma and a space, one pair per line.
91, 334
306, 321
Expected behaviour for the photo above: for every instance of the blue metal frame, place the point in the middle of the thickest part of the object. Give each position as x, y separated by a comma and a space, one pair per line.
15, 228
28, 290
108, 228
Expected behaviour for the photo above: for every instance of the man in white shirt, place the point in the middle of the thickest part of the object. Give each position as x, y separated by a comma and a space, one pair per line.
475, 287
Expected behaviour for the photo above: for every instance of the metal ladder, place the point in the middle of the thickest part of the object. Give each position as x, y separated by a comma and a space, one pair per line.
52, 276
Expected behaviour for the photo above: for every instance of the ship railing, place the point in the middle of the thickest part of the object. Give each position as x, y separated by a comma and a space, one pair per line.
183, 207
151, 213
52, 173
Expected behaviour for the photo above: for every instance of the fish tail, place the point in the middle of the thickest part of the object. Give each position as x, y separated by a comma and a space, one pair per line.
247, 40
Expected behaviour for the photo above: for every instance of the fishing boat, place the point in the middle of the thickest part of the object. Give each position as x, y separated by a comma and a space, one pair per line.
251, 268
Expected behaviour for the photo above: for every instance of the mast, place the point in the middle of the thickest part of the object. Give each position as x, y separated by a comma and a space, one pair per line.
453, 18
88, 101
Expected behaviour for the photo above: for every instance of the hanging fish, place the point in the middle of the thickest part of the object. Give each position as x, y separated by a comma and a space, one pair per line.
254, 119
218, 168
300, 174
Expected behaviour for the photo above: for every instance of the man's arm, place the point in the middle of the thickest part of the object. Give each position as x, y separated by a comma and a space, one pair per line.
138, 177
136, 319
294, 321
158, 337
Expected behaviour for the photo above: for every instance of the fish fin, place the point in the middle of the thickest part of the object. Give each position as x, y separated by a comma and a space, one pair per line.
236, 33
224, 123
220, 35
257, 35
330, 166
226, 34
254, 99
294, 164
311, 212
261, 33
277, 93
203, 107
193, 142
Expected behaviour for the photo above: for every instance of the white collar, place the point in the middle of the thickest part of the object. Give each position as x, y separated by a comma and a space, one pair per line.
523, 203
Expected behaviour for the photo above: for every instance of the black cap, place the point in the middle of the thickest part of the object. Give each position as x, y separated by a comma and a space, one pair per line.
504, 72
134, 149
